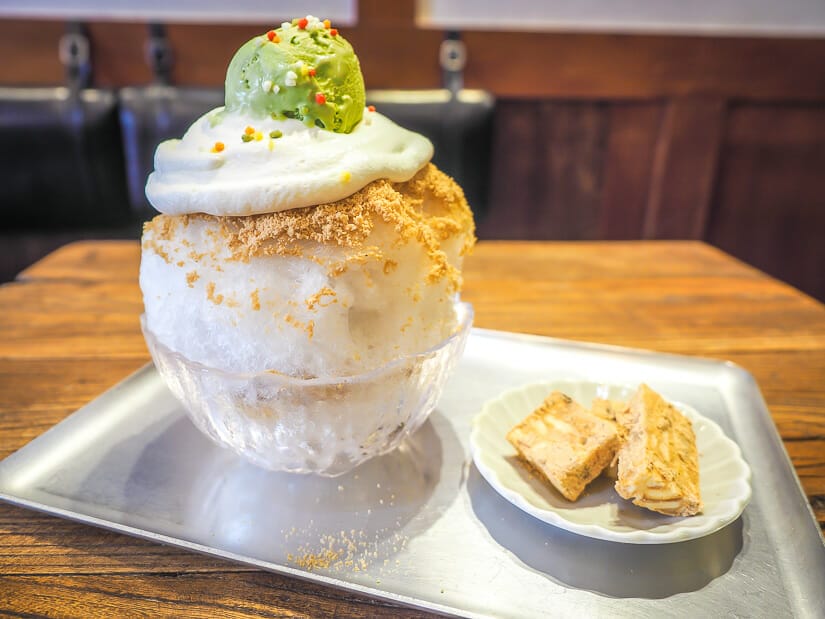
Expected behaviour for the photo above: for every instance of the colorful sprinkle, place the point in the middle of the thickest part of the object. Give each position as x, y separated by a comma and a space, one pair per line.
273, 36
291, 78
346, 177
259, 136
266, 85
333, 32
246, 137
218, 147
302, 23
275, 134
312, 72
327, 24
249, 130
320, 99
271, 144
371, 108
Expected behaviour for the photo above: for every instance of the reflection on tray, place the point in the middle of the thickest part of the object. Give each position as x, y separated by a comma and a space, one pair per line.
610, 568
352, 522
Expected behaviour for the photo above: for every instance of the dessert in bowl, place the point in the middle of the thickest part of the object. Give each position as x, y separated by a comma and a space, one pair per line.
301, 282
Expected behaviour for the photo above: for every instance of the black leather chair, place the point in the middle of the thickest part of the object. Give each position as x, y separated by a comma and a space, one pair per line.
149, 115
460, 128
61, 158
62, 167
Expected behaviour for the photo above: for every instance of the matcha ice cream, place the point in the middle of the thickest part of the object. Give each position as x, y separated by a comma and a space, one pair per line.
294, 132
303, 70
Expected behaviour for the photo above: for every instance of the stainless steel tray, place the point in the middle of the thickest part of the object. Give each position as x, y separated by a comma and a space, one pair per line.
420, 526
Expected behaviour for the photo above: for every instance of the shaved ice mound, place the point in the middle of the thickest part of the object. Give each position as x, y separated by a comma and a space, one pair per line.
301, 284
332, 290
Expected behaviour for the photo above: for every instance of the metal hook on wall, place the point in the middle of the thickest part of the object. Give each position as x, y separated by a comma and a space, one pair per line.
158, 54
74, 52
452, 56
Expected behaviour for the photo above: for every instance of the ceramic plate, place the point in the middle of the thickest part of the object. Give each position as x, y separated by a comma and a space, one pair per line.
600, 512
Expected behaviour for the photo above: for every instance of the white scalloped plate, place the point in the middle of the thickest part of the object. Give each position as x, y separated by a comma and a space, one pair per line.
600, 512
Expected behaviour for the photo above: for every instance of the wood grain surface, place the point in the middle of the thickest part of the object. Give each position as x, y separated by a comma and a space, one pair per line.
69, 329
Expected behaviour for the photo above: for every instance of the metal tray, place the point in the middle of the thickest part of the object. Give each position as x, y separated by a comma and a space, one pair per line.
420, 526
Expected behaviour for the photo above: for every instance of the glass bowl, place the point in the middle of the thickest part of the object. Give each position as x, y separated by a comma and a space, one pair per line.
326, 426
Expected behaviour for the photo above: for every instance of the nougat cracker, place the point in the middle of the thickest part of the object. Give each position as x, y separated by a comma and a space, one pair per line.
566, 444
658, 459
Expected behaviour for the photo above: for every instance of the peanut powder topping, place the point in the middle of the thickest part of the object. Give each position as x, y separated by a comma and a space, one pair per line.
428, 209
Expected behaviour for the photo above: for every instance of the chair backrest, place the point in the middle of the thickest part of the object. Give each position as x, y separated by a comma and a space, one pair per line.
460, 128
62, 159
149, 115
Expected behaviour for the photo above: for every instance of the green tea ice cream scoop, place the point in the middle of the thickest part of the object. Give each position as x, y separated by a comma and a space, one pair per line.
304, 70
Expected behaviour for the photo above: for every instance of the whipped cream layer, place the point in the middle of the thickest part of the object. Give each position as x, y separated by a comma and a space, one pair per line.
305, 166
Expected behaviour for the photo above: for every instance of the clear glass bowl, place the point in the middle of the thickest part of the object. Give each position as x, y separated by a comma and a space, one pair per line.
326, 426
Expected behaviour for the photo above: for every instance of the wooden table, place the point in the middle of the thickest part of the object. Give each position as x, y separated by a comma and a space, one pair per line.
69, 329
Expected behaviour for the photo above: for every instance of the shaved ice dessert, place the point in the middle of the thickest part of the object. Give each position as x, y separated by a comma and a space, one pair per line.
301, 282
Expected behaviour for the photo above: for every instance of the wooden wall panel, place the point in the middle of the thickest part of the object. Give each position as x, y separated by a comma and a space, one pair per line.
769, 207
30, 48
118, 54
393, 52
396, 54
548, 162
748, 178
631, 142
514, 185
572, 147
614, 66
683, 169
572, 169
